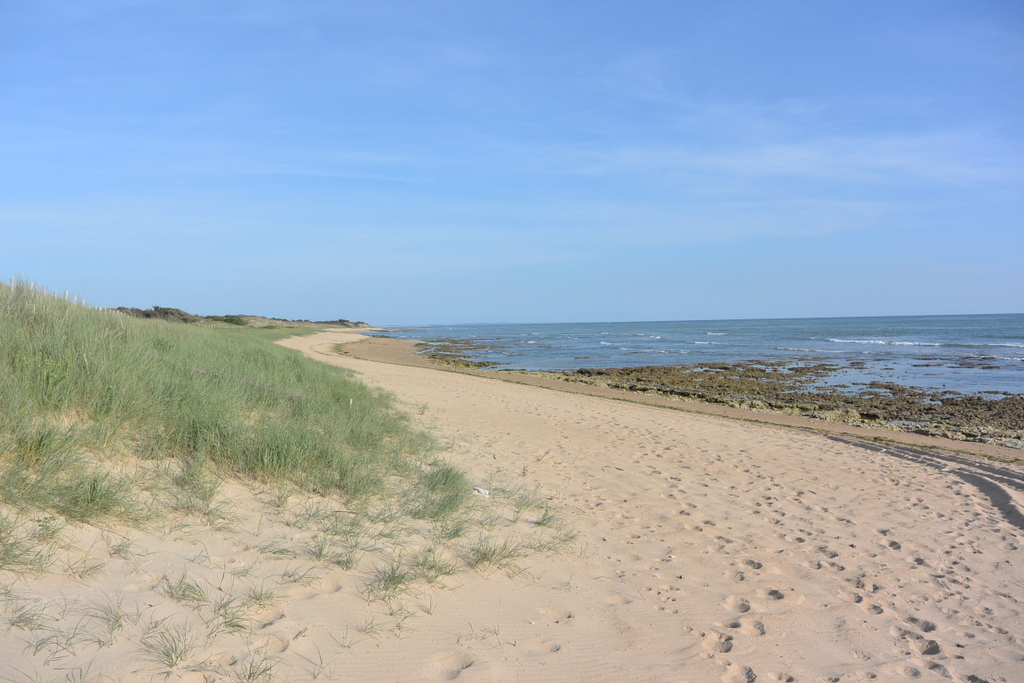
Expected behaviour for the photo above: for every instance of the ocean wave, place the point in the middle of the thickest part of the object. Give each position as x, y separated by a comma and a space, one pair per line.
653, 351
883, 342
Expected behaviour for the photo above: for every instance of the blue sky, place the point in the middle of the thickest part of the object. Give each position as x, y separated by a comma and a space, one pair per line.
440, 162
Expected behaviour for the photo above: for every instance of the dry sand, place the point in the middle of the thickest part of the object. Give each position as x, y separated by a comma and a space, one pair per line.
710, 549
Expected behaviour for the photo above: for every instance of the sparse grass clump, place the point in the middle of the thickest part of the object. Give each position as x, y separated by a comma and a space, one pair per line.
258, 667
42, 466
28, 620
522, 498
26, 546
108, 620
547, 518
184, 590
390, 580
169, 646
230, 615
440, 492
487, 551
258, 597
431, 565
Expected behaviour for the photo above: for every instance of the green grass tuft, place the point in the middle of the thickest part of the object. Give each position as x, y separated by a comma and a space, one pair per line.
430, 565
168, 646
184, 591
390, 580
440, 493
25, 546
486, 551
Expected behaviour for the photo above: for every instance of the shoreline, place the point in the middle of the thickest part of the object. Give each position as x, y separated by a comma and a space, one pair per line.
405, 352
710, 549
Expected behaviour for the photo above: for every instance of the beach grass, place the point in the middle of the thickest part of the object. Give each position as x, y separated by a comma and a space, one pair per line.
85, 390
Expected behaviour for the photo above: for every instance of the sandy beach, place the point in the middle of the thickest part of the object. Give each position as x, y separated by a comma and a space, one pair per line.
709, 548
714, 549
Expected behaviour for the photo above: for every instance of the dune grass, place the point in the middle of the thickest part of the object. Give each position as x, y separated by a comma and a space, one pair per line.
80, 386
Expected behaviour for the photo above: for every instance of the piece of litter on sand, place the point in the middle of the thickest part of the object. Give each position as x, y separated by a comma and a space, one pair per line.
482, 492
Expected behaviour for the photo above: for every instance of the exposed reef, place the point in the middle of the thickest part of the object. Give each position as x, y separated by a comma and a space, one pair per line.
455, 353
794, 388
809, 389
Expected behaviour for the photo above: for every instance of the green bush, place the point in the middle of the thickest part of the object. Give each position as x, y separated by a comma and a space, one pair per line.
229, 319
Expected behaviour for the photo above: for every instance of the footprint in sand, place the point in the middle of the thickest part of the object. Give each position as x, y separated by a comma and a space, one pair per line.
145, 582
751, 627
770, 594
922, 624
193, 677
917, 643
544, 647
327, 586
274, 644
301, 592
909, 671
268, 617
715, 642
737, 673
555, 616
450, 665
219, 658
736, 603
615, 600
923, 646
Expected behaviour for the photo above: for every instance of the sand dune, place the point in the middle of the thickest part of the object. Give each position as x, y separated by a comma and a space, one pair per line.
709, 549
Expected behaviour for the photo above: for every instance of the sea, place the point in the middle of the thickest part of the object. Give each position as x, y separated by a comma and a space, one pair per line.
966, 353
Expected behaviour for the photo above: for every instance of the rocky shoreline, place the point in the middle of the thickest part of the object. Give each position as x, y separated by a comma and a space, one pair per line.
794, 388
455, 353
